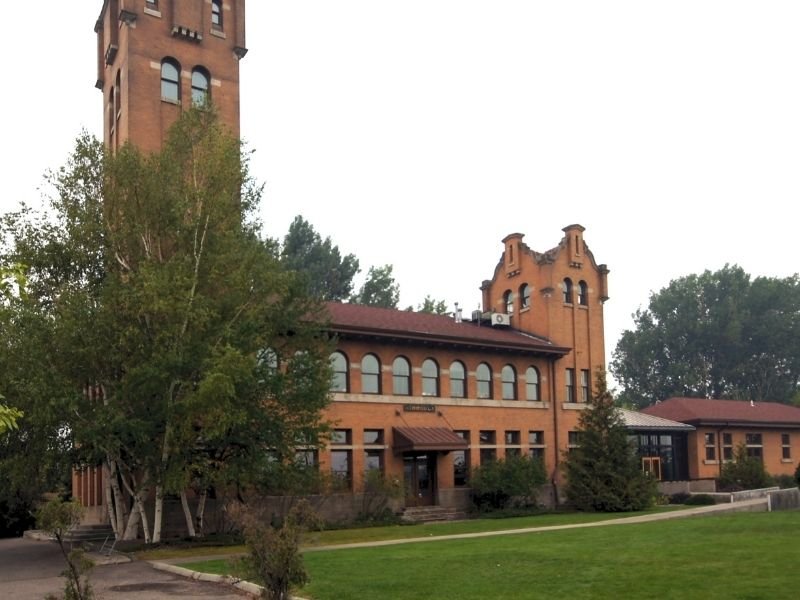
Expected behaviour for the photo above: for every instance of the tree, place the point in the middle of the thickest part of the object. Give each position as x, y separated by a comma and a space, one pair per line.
430, 305
513, 481
8, 417
603, 472
715, 335
744, 472
184, 351
328, 274
380, 289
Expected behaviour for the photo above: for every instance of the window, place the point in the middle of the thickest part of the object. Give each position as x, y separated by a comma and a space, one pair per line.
200, 87
460, 467
786, 446
536, 444
727, 446
512, 438
341, 467
306, 458
566, 288
341, 437
401, 377
373, 460
532, 389
370, 375
458, 380
373, 437
216, 14
584, 385
430, 378
509, 377
339, 367
711, 446
483, 374
583, 294
573, 440
524, 296
487, 438
755, 446
170, 80
508, 302
570, 385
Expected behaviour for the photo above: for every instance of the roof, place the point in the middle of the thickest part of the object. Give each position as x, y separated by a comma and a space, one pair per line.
356, 320
640, 421
703, 411
427, 439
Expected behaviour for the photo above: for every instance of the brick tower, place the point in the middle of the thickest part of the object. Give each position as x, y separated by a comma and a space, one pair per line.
155, 57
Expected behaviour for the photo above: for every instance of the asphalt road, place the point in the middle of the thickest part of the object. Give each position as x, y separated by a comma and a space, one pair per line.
31, 569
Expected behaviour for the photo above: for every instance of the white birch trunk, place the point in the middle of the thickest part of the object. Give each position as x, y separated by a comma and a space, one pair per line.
187, 513
158, 513
121, 507
132, 527
201, 509
111, 507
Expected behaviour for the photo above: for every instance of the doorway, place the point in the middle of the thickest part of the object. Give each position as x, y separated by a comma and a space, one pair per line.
419, 472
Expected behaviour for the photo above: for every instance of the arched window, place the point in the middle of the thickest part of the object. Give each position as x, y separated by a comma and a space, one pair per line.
339, 367
509, 378
458, 380
483, 375
170, 80
200, 86
370, 375
532, 389
524, 295
216, 14
508, 302
401, 377
430, 378
583, 293
567, 289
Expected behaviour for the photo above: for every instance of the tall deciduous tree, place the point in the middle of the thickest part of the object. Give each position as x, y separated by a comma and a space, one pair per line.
431, 305
187, 352
603, 472
715, 335
379, 289
328, 274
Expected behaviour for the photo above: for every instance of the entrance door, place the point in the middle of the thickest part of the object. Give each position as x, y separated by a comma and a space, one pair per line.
420, 475
652, 466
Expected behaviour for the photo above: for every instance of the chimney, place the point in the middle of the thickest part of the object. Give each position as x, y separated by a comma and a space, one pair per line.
457, 314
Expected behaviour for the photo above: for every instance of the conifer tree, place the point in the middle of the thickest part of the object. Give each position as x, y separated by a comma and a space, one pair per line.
603, 472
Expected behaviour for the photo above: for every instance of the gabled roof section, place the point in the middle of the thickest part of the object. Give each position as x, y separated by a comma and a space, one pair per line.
703, 411
355, 320
638, 421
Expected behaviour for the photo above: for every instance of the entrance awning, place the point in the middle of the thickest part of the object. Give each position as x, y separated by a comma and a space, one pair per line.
426, 439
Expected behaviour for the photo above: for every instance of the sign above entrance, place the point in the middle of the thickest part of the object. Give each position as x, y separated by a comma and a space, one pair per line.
419, 407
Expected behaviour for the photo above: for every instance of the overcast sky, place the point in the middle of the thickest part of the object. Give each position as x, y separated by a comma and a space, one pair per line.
420, 133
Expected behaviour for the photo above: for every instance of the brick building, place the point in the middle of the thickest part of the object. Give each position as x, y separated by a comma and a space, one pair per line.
427, 397
768, 430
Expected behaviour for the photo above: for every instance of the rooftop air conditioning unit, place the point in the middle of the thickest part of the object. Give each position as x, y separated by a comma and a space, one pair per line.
501, 320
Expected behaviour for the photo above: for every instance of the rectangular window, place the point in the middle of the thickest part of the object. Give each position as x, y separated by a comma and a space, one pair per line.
727, 446
341, 437
711, 446
512, 438
488, 455
373, 460
574, 439
460, 467
373, 436
584, 385
570, 385
537, 453
513, 452
536, 438
341, 467
305, 458
463, 434
487, 438
786, 446
754, 445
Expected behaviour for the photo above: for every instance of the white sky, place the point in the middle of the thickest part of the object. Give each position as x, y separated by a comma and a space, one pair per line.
420, 133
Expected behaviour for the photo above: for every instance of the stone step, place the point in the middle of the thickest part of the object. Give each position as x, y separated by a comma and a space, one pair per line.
432, 514
88, 533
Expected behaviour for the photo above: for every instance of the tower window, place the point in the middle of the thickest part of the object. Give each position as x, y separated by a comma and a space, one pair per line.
216, 14
525, 296
583, 293
508, 301
170, 80
567, 290
200, 87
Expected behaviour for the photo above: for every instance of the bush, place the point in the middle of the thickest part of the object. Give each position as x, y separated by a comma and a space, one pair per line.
699, 500
502, 484
785, 482
743, 473
379, 491
797, 475
679, 498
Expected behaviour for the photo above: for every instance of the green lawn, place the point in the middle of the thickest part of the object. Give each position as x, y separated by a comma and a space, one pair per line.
747, 556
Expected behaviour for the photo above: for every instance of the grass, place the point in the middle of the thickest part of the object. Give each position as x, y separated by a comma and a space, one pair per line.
745, 556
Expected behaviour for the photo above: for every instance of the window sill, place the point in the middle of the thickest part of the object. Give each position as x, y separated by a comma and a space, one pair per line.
217, 33
710, 462
151, 12
787, 460
574, 406
171, 101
